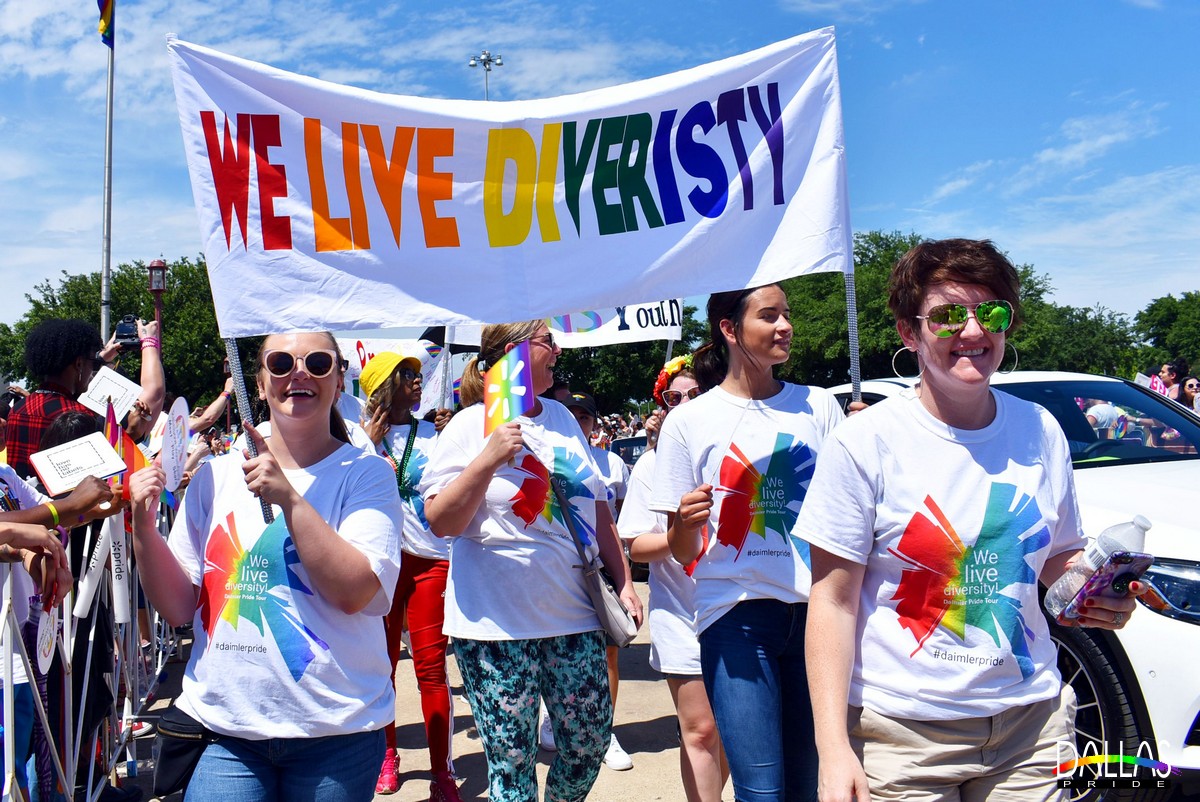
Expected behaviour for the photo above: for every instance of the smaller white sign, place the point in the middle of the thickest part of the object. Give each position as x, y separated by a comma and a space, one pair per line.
106, 384
62, 468
175, 444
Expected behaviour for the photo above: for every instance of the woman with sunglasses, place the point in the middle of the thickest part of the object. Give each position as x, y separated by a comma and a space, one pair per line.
516, 606
1189, 396
392, 384
287, 667
731, 472
932, 517
674, 650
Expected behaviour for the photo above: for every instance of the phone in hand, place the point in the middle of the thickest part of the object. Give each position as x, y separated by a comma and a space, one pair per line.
1111, 580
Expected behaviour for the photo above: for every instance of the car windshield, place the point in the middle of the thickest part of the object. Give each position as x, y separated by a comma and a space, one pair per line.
1110, 423
629, 448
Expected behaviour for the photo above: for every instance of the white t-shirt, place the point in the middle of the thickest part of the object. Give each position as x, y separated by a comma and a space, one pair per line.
357, 434
674, 648
514, 571
954, 527
17, 494
615, 474
417, 539
272, 658
351, 407
759, 456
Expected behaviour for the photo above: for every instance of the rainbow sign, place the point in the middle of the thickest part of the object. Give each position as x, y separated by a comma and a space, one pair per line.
507, 389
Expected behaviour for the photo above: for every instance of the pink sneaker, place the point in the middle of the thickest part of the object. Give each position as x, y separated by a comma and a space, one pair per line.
443, 788
389, 775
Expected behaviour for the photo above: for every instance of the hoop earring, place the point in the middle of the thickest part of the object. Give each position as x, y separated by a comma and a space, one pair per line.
1016, 359
920, 368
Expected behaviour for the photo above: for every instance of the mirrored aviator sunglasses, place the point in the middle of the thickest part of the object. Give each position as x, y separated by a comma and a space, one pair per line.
946, 320
317, 364
673, 398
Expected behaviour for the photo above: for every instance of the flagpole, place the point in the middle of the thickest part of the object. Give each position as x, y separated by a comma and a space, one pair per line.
106, 243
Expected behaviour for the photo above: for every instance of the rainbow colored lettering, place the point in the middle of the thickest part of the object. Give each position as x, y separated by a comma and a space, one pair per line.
1132, 760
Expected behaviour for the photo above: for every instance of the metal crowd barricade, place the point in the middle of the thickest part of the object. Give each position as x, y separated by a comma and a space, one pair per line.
133, 679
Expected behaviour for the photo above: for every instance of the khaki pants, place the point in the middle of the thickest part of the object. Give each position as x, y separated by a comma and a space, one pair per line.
1008, 757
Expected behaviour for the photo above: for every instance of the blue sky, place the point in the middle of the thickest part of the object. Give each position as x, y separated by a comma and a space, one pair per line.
1064, 131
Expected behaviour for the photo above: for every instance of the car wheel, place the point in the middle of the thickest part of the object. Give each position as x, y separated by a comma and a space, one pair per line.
1104, 713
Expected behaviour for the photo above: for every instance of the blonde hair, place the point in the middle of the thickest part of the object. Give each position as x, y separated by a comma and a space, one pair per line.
491, 350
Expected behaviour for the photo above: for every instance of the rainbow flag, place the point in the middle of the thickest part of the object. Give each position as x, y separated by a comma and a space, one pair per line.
455, 387
508, 389
106, 26
112, 433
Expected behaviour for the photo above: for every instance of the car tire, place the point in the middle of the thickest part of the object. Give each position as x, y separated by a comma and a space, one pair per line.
1105, 709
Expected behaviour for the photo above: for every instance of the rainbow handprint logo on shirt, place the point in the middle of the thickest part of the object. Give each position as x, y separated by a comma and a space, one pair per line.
256, 586
756, 502
535, 498
951, 585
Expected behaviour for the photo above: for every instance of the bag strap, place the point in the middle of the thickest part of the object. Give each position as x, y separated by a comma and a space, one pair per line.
565, 506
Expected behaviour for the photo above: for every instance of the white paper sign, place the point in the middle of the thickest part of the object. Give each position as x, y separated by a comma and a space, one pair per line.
106, 384
175, 444
62, 468
154, 443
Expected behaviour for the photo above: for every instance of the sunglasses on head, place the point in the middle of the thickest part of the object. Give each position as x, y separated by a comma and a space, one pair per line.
317, 364
674, 398
946, 320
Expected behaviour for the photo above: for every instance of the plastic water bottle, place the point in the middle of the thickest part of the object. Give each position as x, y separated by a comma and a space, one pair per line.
1129, 536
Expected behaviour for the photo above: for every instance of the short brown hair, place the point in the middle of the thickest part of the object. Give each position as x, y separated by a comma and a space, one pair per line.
965, 261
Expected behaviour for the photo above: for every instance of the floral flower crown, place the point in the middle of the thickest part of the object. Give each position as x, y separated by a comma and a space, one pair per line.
667, 373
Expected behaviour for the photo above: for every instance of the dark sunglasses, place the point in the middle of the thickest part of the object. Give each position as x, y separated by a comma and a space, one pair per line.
546, 339
946, 320
674, 398
408, 374
318, 364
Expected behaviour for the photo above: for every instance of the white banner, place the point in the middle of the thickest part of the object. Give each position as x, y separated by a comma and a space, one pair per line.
623, 324
331, 207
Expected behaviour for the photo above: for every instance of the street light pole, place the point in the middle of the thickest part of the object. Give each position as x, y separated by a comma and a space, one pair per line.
486, 60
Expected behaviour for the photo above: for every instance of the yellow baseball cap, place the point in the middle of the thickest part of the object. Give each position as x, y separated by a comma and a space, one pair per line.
382, 366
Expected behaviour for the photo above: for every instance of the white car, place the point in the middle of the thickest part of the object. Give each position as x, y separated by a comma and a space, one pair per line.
1135, 453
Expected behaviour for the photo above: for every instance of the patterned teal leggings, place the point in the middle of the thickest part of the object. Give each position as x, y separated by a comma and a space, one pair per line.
503, 680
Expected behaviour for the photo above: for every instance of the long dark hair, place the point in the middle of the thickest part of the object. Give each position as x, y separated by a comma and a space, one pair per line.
712, 358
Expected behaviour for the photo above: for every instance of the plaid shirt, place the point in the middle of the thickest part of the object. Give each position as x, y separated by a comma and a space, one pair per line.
27, 425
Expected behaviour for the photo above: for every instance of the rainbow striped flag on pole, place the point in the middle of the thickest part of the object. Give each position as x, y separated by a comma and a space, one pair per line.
507, 388
106, 27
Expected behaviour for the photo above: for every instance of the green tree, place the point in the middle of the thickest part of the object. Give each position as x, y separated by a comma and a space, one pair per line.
821, 334
1051, 337
1170, 327
621, 377
193, 352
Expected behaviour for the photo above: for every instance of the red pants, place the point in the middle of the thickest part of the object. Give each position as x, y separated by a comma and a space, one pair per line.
420, 591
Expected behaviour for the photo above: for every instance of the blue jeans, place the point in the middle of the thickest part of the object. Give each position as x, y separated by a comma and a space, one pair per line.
336, 768
23, 712
753, 663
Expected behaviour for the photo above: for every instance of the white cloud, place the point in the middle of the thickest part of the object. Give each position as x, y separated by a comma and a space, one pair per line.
964, 179
1080, 141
